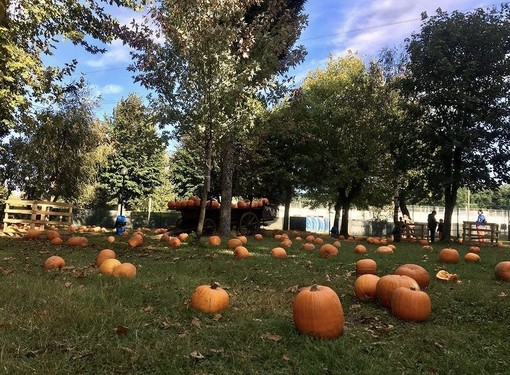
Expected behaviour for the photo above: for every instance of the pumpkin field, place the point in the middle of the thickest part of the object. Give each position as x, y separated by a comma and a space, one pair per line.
75, 313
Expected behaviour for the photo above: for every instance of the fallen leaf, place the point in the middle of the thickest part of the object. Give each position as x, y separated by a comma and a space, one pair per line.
285, 357
503, 294
292, 289
272, 337
148, 309
196, 355
196, 322
217, 317
67, 284
122, 330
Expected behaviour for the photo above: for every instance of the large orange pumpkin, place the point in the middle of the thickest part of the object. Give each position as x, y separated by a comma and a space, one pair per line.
417, 272
318, 312
365, 287
502, 270
215, 241
209, 298
241, 252
32, 233
360, 249
388, 283
410, 304
233, 243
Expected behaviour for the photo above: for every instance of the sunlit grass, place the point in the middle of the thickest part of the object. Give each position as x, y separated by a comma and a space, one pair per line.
78, 321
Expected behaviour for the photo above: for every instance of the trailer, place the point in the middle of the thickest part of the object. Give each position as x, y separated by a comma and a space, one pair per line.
245, 221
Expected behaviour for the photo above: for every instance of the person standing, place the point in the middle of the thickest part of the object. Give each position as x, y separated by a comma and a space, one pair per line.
432, 225
480, 225
440, 227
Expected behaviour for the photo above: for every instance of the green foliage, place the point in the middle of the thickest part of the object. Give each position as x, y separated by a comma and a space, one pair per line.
54, 157
343, 106
31, 30
139, 148
458, 81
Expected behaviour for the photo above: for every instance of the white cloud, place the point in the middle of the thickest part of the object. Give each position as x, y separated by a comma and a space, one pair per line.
111, 89
116, 54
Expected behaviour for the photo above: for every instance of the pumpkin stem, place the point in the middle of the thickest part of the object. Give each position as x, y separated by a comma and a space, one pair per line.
314, 288
215, 284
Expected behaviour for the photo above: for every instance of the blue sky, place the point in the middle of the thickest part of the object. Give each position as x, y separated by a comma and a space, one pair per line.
335, 26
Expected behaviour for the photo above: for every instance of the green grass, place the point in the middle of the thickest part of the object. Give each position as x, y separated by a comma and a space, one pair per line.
60, 322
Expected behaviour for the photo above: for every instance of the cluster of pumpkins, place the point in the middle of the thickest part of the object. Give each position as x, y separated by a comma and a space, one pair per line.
195, 202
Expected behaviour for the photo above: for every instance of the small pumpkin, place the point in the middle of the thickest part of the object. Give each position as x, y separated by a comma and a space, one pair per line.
57, 241
135, 240
243, 239
258, 237
214, 240
327, 251
502, 270
174, 242
53, 262
127, 270
241, 252
360, 249
364, 266
474, 249
51, 234
318, 241
310, 238
32, 233
308, 246
110, 239
411, 305
365, 287
471, 258
279, 252
415, 271
286, 243
234, 242
337, 244
105, 254
209, 298
108, 266
384, 250
317, 311
449, 255
183, 236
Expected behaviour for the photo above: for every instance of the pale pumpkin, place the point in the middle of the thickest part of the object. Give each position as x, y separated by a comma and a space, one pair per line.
443, 275
317, 311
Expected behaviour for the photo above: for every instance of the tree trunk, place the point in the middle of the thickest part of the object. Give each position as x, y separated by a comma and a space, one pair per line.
403, 205
207, 182
396, 205
286, 214
344, 227
227, 170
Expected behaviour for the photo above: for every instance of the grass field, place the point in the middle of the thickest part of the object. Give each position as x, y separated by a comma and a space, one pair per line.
77, 321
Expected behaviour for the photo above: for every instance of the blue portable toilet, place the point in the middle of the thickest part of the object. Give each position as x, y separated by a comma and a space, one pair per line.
120, 223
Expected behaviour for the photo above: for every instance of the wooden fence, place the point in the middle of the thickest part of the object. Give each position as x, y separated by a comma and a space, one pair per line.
23, 214
488, 232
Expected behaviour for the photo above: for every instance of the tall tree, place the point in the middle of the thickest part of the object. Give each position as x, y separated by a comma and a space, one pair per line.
343, 106
458, 79
138, 147
53, 158
216, 56
28, 31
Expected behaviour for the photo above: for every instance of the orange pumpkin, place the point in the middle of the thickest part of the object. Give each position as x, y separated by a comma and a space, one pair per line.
103, 255
215, 240
209, 298
54, 261
474, 249
258, 237
286, 243
135, 240
448, 255
110, 239
318, 312
471, 258
241, 252
243, 239
183, 236
57, 241
364, 266
318, 241
278, 252
365, 287
502, 271
360, 249
108, 265
327, 251
308, 246
384, 250
443, 275
234, 242
174, 242
388, 283
410, 304
51, 234
310, 238
417, 272
126, 270
32, 233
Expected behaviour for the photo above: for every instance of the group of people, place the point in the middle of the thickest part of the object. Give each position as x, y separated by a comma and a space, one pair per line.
433, 225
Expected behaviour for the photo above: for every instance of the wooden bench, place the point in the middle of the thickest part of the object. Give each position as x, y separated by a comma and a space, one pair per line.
488, 232
22, 214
